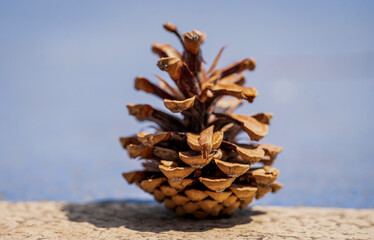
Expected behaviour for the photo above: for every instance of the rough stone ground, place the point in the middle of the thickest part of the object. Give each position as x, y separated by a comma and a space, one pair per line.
50, 220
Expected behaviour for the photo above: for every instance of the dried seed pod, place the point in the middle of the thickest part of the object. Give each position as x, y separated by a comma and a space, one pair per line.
173, 29
276, 186
144, 112
180, 199
214, 211
238, 67
180, 184
271, 152
169, 204
234, 90
245, 202
265, 175
159, 195
134, 176
196, 160
207, 204
170, 27
151, 184
176, 106
238, 79
148, 139
140, 151
232, 169
165, 50
230, 200
194, 163
230, 210
263, 117
243, 191
191, 207
192, 41
169, 89
172, 66
193, 140
218, 196
176, 173
216, 184
192, 54
180, 211
255, 129
148, 87
215, 62
262, 191
206, 141
195, 194
151, 165
250, 155
181, 74
125, 141
165, 153
227, 104
168, 191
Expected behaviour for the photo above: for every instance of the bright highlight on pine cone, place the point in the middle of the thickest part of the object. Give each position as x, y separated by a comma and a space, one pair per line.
195, 165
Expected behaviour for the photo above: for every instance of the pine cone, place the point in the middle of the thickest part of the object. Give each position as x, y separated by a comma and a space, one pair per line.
195, 165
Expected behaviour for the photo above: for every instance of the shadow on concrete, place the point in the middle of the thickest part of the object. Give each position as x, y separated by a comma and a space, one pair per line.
147, 216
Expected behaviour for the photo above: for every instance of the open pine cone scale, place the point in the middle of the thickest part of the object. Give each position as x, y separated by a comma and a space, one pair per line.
195, 165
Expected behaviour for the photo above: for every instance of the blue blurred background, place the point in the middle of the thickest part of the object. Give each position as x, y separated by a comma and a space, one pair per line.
67, 71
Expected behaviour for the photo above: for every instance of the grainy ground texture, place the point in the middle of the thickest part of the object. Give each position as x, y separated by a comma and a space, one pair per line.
50, 220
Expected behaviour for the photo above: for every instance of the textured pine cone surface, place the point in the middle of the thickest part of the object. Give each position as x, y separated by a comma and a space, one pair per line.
195, 165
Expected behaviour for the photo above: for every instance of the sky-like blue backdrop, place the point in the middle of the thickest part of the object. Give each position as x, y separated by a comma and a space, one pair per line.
67, 71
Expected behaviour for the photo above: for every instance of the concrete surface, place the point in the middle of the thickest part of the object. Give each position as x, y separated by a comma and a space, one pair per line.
51, 220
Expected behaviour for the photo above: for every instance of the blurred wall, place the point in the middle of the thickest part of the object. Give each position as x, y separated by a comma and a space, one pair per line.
67, 71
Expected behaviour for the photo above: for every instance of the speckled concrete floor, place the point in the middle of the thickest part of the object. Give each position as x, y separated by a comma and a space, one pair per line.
50, 220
